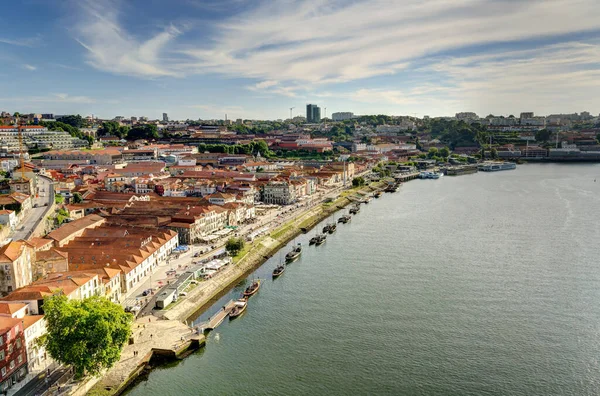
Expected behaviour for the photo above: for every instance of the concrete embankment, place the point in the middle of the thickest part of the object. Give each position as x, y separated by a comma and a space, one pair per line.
153, 341
206, 293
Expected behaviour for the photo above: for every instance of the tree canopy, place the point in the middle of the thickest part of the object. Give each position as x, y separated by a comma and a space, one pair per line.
88, 334
543, 135
143, 131
73, 120
234, 246
113, 128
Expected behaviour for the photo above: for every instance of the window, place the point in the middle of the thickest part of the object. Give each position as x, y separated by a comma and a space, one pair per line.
2, 355
11, 365
3, 371
18, 343
20, 359
10, 348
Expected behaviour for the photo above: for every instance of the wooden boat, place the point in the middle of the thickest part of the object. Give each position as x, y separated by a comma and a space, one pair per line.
238, 308
332, 228
344, 219
294, 254
313, 240
377, 194
321, 239
280, 269
355, 209
252, 289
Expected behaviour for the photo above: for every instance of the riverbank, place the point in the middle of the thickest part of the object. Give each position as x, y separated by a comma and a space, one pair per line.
169, 337
202, 297
153, 341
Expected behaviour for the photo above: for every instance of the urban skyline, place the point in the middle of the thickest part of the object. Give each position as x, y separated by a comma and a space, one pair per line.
257, 59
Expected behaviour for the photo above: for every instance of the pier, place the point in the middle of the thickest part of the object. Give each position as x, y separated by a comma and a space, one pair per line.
214, 321
406, 176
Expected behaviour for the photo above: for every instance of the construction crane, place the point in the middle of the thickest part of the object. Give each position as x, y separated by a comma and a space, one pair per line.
291, 108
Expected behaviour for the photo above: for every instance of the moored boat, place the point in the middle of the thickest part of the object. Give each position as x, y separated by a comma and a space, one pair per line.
355, 209
332, 228
320, 239
238, 308
252, 289
294, 254
377, 194
344, 219
280, 269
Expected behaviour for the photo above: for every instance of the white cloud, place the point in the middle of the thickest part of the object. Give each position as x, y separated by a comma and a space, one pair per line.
553, 78
29, 67
21, 42
111, 48
59, 98
316, 41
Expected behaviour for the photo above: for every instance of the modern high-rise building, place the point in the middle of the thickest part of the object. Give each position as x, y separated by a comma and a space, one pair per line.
313, 114
165, 117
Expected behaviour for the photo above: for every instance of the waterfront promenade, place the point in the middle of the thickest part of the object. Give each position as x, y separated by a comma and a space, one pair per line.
151, 336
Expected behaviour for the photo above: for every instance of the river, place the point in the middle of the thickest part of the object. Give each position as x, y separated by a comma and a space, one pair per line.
484, 284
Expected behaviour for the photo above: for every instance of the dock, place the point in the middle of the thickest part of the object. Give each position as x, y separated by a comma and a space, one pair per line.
403, 177
214, 321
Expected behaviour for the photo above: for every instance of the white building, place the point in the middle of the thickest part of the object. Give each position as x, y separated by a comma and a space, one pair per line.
341, 116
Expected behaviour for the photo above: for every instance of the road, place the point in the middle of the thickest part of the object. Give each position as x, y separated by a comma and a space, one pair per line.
46, 195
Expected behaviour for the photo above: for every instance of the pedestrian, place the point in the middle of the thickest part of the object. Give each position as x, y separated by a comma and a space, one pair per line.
149, 320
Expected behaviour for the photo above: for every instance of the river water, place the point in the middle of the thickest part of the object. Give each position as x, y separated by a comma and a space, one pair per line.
485, 284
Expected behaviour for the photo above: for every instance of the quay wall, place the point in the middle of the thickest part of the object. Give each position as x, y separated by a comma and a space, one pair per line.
201, 298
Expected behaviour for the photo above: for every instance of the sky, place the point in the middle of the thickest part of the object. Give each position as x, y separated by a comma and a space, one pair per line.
256, 59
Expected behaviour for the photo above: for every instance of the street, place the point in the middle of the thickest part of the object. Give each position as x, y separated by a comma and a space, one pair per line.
25, 227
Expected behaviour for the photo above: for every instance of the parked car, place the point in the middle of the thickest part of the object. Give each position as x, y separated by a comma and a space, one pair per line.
182, 294
147, 292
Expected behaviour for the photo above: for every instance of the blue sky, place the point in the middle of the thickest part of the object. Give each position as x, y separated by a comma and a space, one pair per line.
256, 59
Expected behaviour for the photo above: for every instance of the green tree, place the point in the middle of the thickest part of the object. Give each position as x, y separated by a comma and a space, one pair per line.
77, 198
358, 181
88, 334
444, 152
73, 120
494, 153
543, 135
145, 131
432, 152
234, 246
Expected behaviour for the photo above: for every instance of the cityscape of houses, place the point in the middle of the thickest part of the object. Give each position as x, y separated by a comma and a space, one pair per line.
96, 216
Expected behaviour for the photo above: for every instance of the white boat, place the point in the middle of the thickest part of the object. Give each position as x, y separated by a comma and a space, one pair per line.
497, 166
430, 175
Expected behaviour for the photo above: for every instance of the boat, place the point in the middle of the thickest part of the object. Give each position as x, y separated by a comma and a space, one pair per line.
497, 166
377, 194
294, 254
392, 187
280, 269
344, 219
252, 289
238, 308
355, 209
320, 239
430, 175
366, 200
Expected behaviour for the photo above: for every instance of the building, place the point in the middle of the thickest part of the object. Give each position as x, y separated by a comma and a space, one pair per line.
34, 327
165, 117
13, 356
278, 193
467, 116
341, 116
313, 114
15, 265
